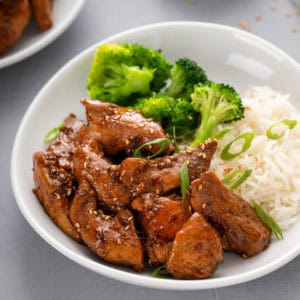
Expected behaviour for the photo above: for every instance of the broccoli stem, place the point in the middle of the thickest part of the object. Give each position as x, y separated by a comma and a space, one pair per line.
204, 131
174, 89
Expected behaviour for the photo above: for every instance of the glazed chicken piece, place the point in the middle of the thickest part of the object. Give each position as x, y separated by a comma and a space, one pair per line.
42, 10
161, 217
122, 129
240, 228
90, 165
157, 252
14, 17
53, 176
112, 238
161, 175
196, 250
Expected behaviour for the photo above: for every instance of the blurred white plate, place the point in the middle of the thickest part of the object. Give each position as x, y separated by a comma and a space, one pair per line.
33, 39
228, 55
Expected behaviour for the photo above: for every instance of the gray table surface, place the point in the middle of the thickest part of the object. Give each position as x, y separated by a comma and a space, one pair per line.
29, 267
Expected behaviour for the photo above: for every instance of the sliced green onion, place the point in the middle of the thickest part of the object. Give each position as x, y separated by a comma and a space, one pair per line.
247, 137
161, 272
174, 140
275, 131
163, 142
219, 134
242, 176
53, 133
268, 220
184, 179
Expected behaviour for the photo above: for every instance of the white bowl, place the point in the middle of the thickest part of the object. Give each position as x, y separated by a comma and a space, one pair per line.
228, 55
33, 39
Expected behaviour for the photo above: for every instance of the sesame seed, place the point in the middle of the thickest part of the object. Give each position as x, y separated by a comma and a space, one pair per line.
203, 205
245, 25
190, 117
141, 125
77, 225
274, 7
127, 142
157, 191
203, 155
189, 150
191, 2
168, 161
90, 211
127, 227
202, 146
95, 212
119, 241
244, 256
294, 29
57, 196
99, 229
187, 162
107, 218
85, 164
200, 187
151, 130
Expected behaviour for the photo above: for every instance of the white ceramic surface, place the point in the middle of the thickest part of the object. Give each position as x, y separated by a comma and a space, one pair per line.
228, 55
33, 39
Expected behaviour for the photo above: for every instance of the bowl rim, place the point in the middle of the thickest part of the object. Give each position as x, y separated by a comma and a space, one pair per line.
111, 271
40, 44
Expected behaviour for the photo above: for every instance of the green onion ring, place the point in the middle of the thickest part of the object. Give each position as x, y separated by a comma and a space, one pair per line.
275, 136
161, 272
244, 175
268, 220
247, 137
53, 133
174, 140
184, 179
163, 142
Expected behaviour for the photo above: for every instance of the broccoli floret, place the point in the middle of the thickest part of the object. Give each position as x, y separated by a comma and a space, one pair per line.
157, 107
170, 112
185, 74
120, 71
217, 103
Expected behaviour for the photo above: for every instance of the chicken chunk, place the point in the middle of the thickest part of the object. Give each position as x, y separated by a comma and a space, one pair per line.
55, 183
14, 17
113, 238
157, 252
196, 250
240, 228
90, 165
161, 175
42, 10
161, 217
122, 129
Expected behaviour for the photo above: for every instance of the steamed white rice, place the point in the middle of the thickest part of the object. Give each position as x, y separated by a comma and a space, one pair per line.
275, 179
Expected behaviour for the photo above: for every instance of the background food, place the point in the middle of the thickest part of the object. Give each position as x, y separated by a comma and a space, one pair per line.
15, 16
